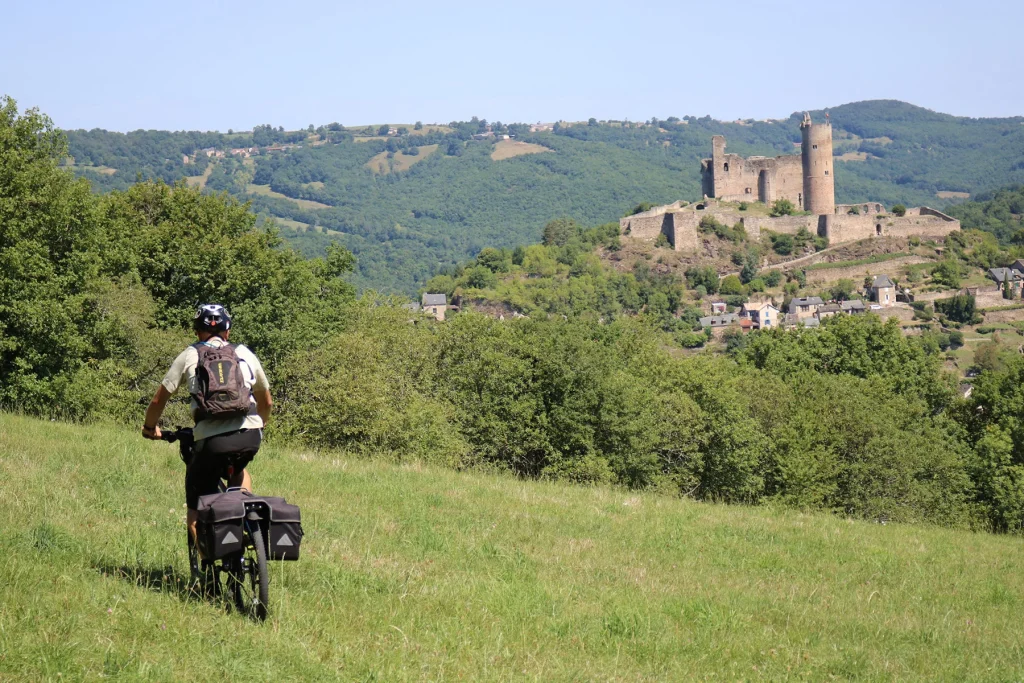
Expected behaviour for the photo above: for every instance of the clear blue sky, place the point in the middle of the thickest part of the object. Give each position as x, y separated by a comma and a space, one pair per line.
214, 65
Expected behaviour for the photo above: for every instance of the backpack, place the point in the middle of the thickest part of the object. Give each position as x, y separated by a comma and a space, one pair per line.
221, 392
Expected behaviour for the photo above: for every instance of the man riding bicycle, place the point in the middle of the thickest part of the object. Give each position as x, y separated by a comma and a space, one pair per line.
225, 439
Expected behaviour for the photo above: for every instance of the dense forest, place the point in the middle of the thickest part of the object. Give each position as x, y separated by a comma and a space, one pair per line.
441, 195
853, 418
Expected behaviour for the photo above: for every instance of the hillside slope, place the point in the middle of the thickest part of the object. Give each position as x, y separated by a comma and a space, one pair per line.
463, 195
418, 573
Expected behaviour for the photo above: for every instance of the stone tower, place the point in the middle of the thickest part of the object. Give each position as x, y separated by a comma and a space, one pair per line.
819, 183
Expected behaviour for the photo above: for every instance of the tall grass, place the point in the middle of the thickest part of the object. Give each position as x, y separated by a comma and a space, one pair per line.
419, 573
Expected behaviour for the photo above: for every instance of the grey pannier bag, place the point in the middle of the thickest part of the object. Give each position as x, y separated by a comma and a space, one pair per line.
284, 534
219, 524
221, 392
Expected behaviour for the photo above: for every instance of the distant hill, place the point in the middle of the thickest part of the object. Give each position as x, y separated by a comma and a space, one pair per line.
410, 200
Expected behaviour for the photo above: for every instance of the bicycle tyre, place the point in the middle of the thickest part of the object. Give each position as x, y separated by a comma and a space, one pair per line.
203, 575
252, 577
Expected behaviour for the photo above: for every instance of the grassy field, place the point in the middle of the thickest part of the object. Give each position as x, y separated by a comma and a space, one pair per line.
200, 180
506, 149
265, 190
414, 573
380, 163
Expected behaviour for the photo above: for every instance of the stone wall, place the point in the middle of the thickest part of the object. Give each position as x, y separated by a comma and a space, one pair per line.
789, 225
923, 223
680, 224
646, 226
731, 177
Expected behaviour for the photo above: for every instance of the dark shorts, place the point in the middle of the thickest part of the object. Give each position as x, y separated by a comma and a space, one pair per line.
216, 458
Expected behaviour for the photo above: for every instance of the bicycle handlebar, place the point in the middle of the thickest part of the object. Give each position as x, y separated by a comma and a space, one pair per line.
184, 437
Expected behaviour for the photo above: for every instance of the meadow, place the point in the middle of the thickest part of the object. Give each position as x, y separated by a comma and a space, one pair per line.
412, 573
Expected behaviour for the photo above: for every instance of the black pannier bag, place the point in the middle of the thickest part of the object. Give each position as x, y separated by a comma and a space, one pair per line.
284, 533
219, 526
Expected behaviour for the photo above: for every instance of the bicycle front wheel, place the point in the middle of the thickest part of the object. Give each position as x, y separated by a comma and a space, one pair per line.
251, 576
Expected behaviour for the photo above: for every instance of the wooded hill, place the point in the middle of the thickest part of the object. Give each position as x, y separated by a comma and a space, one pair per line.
408, 199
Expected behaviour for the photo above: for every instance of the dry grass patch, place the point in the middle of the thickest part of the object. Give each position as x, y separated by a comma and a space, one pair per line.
290, 224
382, 165
948, 194
316, 185
853, 156
200, 180
506, 149
267, 192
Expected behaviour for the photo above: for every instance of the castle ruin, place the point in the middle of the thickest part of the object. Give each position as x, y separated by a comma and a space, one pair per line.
807, 180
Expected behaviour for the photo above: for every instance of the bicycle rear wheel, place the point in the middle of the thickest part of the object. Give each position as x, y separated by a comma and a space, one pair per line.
251, 576
203, 574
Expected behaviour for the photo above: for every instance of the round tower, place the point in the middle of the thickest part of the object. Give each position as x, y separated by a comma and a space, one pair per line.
819, 183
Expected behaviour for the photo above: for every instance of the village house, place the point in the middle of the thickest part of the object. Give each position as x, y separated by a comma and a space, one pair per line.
723, 320
435, 304
1011, 277
762, 315
853, 307
718, 307
827, 311
883, 291
804, 307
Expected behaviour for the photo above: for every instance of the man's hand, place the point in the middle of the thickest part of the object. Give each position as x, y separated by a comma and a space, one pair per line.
153, 413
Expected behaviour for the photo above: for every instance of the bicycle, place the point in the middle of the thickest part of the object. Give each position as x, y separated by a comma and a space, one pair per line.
243, 575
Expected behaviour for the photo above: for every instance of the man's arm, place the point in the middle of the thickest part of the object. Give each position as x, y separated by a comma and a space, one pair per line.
263, 404
150, 429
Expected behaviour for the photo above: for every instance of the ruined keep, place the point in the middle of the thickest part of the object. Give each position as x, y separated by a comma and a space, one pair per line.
806, 179
816, 161
732, 178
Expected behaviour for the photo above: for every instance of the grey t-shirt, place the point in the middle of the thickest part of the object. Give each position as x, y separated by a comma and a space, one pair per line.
183, 371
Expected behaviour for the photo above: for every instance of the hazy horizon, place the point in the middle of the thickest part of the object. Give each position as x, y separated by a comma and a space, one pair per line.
194, 66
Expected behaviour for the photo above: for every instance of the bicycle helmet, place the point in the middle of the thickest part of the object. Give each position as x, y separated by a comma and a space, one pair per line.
211, 318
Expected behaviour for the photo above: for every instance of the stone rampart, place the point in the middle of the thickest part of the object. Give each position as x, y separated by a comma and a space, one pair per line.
789, 225
850, 228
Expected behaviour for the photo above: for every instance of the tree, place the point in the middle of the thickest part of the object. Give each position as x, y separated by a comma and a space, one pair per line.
947, 273
731, 285
383, 130
959, 308
842, 290
782, 207
480, 277
591, 121
559, 231
495, 260
418, 125
702, 276
899, 210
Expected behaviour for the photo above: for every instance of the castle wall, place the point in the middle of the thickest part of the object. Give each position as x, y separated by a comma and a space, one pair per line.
789, 225
850, 228
730, 177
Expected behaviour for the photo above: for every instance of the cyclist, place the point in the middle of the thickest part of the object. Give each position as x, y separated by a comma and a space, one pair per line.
223, 447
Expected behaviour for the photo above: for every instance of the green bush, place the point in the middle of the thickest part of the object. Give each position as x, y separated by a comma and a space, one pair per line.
899, 210
772, 278
731, 285
782, 244
960, 308
781, 207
